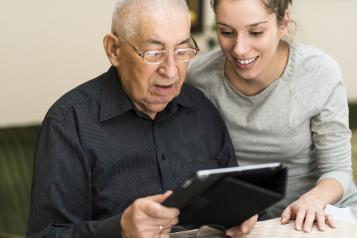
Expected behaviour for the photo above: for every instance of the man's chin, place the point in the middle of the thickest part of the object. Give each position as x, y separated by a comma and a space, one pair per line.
163, 99
158, 107
155, 105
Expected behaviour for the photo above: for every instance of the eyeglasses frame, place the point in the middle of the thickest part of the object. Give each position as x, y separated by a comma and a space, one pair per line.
142, 53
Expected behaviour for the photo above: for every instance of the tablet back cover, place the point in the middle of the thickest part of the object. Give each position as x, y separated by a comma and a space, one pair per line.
232, 200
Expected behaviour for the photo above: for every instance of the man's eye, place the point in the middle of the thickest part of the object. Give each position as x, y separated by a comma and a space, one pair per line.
181, 52
153, 54
256, 33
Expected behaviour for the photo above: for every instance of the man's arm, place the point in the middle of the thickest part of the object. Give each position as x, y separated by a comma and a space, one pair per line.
61, 204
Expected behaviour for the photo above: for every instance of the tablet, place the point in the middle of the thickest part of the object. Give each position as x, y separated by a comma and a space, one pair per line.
228, 196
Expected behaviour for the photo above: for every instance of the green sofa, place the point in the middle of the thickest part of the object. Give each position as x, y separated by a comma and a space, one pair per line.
16, 155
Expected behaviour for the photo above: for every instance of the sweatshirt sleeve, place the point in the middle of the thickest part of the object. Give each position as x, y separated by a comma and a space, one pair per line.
331, 134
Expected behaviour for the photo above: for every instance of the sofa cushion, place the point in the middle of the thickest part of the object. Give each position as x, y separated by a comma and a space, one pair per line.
17, 147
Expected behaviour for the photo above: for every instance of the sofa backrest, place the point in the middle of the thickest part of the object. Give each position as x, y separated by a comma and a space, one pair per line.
17, 146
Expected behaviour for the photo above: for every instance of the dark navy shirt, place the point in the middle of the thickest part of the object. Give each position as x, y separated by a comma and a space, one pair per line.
97, 153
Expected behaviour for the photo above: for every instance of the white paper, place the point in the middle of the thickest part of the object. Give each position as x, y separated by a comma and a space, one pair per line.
347, 214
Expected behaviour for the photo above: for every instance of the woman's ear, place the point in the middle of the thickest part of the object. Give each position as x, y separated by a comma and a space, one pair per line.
284, 24
284, 27
112, 48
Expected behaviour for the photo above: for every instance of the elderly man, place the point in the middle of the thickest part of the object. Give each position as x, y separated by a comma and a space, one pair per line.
110, 150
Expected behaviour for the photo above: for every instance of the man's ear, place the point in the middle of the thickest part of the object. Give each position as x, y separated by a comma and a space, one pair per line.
112, 48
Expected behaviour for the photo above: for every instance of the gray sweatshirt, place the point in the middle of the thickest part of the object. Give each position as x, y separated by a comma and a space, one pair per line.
300, 120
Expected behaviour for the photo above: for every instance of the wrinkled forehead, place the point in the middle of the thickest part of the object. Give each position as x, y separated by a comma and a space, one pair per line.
165, 25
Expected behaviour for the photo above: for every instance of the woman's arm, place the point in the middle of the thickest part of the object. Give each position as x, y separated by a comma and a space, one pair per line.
332, 148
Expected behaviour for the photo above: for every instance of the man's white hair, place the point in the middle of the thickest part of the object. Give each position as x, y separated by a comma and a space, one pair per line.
126, 13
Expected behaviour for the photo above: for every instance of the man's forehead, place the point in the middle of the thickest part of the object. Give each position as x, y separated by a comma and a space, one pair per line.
163, 29
162, 42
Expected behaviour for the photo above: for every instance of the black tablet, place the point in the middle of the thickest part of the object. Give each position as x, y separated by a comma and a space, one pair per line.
228, 196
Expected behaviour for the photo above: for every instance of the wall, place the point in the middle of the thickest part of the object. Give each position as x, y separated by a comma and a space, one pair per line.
48, 47
331, 25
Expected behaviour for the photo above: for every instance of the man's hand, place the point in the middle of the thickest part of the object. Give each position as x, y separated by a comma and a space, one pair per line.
243, 228
146, 217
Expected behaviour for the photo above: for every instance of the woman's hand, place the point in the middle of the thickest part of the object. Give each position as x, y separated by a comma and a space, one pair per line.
146, 217
310, 206
305, 211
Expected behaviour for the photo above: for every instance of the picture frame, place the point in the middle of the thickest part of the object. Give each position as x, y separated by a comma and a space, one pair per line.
196, 10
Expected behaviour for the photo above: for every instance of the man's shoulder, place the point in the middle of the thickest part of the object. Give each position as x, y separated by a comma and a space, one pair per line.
197, 98
192, 92
85, 93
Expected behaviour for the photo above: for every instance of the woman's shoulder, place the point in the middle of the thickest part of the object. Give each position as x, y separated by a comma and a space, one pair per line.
206, 60
310, 65
312, 75
312, 58
206, 66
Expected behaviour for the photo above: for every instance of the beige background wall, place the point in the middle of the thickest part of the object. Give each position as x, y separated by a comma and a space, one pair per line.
47, 47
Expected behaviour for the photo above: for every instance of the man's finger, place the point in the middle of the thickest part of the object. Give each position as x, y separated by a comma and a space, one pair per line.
152, 208
160, 197
249, 224
286, 215
244, 228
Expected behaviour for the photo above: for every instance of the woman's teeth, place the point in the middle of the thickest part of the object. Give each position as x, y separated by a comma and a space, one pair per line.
247, 61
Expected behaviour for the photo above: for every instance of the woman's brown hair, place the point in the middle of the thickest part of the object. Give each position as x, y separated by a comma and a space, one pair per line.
278, 7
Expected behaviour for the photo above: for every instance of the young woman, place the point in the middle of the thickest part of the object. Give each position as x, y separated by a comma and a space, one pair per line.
283, 102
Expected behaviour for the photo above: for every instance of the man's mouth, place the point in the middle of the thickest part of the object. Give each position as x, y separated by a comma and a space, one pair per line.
164, 90
163, 86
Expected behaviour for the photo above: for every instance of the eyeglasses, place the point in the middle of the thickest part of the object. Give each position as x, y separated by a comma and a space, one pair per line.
158, 56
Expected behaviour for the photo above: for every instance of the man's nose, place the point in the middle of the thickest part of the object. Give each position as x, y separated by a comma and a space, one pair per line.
169, 66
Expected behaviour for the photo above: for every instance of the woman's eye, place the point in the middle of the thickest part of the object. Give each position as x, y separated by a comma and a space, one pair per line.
256, 33
226, 33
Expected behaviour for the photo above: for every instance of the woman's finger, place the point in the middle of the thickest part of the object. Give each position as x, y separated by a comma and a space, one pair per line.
320, 220
309, 220
300, 217
330, 221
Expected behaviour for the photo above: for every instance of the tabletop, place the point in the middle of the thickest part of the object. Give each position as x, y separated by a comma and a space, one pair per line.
273, 229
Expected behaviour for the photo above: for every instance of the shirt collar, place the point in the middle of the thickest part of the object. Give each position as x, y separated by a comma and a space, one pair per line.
115, 102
